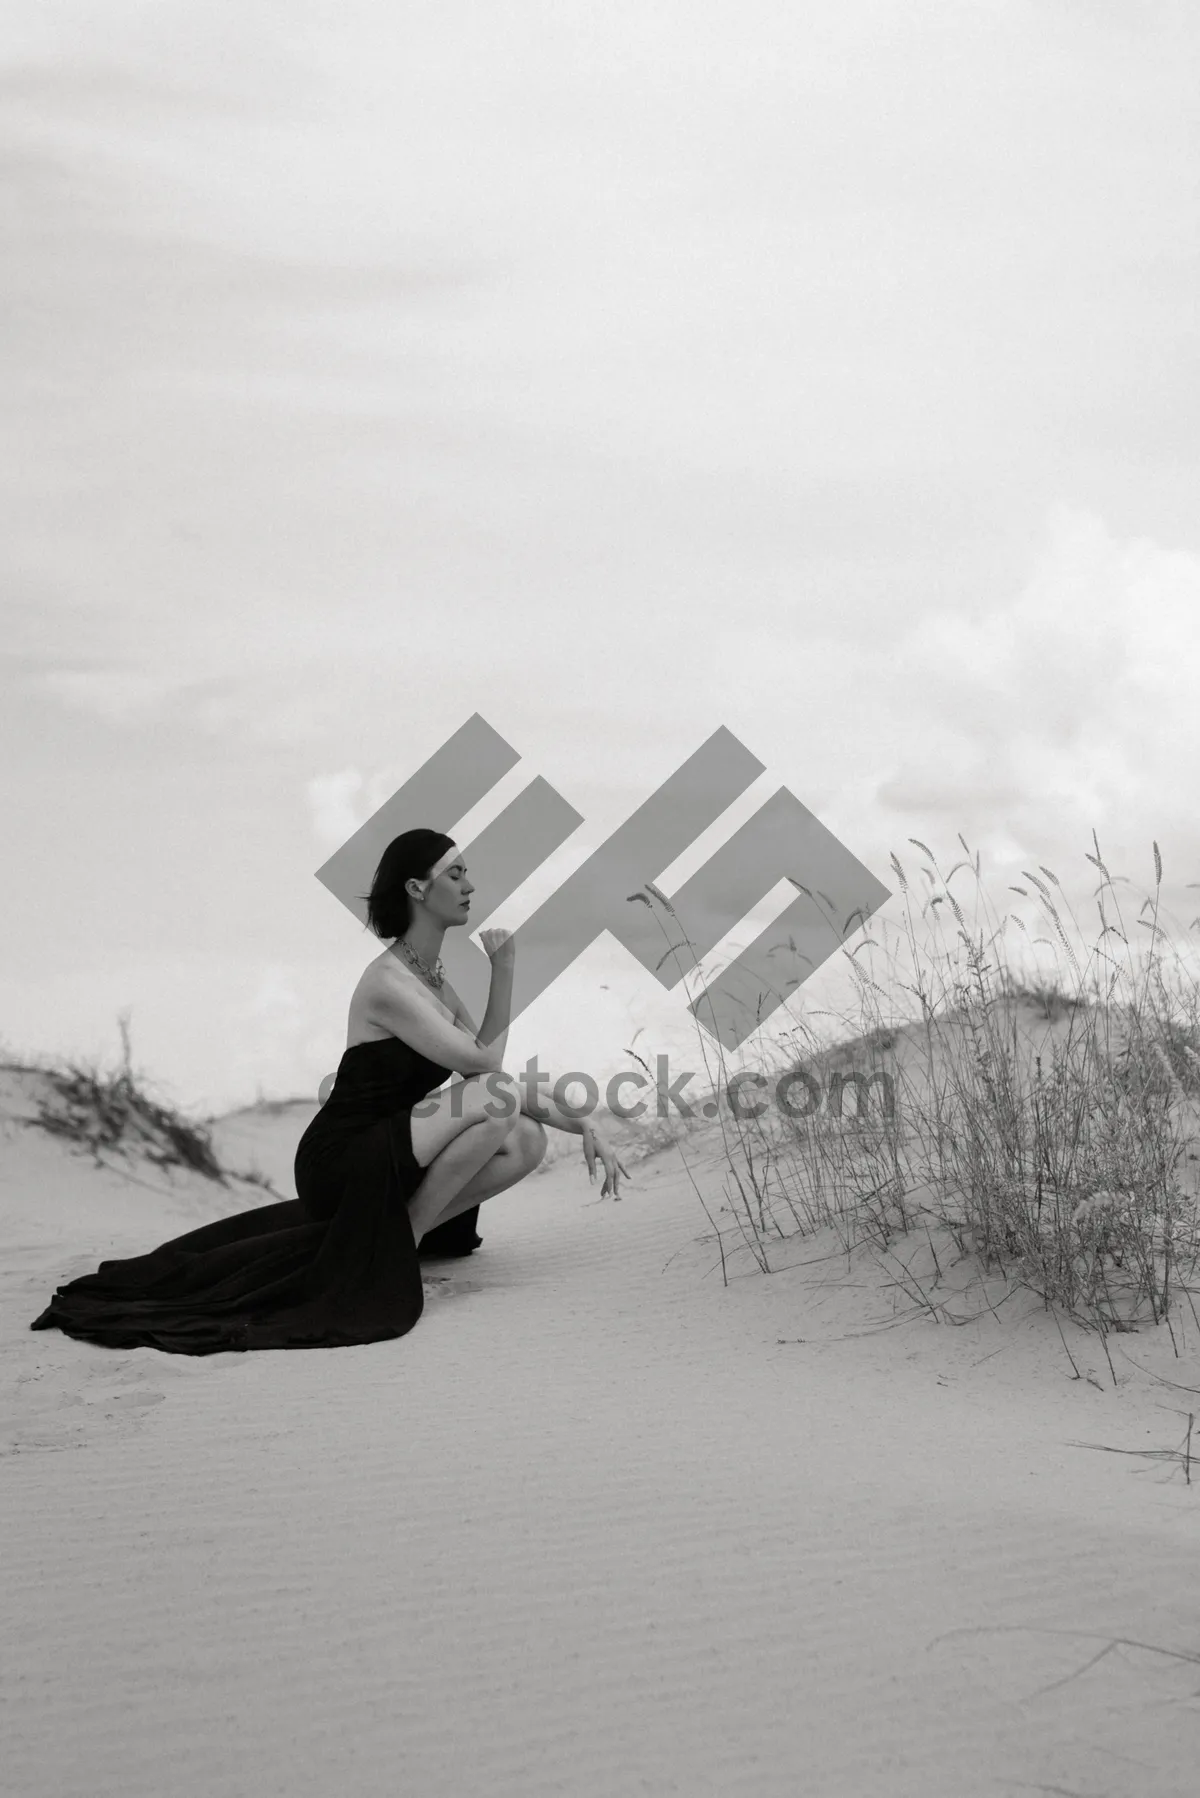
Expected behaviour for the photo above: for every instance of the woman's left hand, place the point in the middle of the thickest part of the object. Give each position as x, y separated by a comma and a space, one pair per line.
596, 1145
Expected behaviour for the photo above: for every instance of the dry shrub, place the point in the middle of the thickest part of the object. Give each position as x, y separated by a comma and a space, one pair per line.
113, 1112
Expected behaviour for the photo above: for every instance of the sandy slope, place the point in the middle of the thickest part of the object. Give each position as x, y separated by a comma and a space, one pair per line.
592, 1528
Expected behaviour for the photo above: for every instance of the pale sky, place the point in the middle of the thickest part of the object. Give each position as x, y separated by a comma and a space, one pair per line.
825, 371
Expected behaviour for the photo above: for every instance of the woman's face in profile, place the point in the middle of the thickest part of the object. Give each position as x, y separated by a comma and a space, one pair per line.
448, 896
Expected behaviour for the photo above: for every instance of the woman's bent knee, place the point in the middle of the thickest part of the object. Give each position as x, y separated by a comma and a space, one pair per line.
494, 1097
468, 1105
525, 1144
531, 1135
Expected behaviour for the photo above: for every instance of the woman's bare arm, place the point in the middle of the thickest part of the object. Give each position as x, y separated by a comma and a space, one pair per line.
402, 1010
539, 1105
500, 947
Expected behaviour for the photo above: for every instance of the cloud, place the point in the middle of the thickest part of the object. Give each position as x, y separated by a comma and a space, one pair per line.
616, 376
119, 695
334, 814
1073, 705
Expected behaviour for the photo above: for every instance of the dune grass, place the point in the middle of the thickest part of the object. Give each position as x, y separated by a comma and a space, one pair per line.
1045, 1123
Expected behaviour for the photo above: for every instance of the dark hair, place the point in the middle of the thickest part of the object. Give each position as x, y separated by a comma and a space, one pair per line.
407, 857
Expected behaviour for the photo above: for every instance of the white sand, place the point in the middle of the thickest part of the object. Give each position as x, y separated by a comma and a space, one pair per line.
591, 1528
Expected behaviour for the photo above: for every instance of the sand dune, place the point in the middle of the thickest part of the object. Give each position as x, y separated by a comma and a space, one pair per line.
598, 1525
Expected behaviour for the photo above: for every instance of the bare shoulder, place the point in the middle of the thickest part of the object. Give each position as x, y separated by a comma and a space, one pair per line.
362, 1023
371, 982
387, 979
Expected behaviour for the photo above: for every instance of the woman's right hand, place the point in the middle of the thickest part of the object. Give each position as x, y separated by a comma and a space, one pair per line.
498, 945
594, 1144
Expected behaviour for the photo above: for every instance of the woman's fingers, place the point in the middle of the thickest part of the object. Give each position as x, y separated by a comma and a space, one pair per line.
612, 1164
613, 1170
497, 943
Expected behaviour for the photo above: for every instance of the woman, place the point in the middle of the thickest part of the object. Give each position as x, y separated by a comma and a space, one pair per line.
376, 1178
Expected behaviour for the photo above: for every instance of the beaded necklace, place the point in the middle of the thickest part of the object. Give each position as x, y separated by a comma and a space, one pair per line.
431, 976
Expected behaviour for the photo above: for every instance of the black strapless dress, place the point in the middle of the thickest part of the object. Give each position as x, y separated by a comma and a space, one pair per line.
335, 1266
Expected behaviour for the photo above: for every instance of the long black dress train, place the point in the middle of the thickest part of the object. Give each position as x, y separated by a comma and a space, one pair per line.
337, 1265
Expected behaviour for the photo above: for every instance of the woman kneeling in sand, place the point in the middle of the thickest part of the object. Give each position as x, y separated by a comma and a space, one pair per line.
480, 1134
378, 1172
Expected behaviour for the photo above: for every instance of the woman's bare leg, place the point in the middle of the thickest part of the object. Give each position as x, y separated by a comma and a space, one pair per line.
461, 1128
450, 1171
517, 1156
460, 1106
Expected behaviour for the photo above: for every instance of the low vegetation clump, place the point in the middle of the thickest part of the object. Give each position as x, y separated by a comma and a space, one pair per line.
1045, 1123
113, 1112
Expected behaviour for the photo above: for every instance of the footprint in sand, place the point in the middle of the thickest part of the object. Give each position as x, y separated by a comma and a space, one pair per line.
70, 1405
440, 1286
77, 1397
